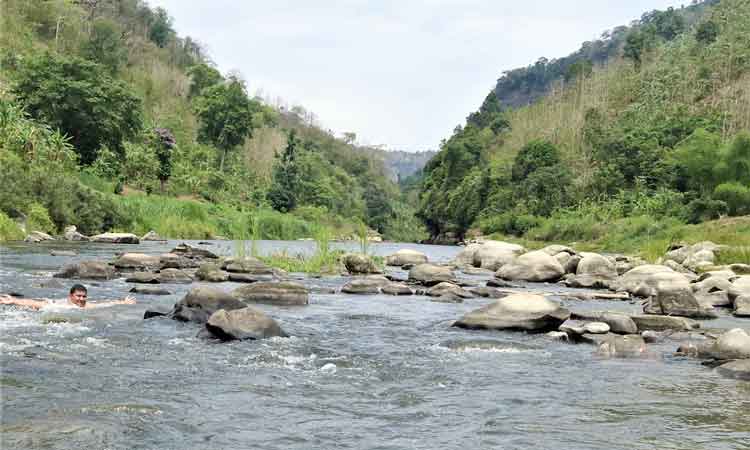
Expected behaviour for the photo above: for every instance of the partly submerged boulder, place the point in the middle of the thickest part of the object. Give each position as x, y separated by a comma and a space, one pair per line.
396, 289
285, 293
71, 234
532, 266
529, 312
244, 323
38, 236
201, 302
493, 255
662, 323
247, 265
618, 323
672, 295
174, 276
406, 256
640, 280
136, 261
191, 251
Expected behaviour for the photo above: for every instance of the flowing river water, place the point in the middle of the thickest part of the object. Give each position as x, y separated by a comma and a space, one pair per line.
360, 372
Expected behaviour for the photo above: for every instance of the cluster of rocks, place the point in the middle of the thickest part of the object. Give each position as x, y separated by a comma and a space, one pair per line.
232, 315
71, 234
670, 289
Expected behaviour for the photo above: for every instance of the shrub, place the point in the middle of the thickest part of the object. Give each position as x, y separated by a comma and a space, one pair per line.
37, 219
9, 230
702, 209
736, 196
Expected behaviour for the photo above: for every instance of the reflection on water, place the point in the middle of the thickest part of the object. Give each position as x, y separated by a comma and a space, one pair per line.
360, 372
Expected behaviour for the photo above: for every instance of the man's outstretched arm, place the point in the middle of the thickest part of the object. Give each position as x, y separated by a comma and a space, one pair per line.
128, 300
25, 302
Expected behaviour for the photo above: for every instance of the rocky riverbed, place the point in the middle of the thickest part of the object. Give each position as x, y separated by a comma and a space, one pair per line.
489, 345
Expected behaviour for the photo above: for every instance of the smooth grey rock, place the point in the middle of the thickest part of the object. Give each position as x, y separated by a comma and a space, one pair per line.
116, 238
532, 266
661, 323
596, 328
244, 323
201, 302
174, 261
517, 312
740, 269
742, 306
556, 249
285, 293
397, 289
363, 286
588, 281
672, 295
191, 251
493, 255
430, 274
404, 257
597, 265
465, 257
212, 272
247, 265
138, 261
488, 292
618, 323
558, 335
91, 270
734, 344
640, 280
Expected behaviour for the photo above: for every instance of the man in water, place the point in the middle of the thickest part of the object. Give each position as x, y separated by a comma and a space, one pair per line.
77, 297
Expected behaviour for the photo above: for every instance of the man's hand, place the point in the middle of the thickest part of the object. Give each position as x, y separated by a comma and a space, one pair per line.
128, 300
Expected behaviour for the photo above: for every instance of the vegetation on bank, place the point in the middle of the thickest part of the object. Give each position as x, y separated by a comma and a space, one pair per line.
631, 154
98, 99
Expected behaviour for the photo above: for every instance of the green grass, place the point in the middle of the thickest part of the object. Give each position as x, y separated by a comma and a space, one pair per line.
9, 230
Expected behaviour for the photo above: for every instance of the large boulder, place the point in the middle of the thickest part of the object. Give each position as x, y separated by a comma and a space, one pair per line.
532, 266
465, 257
116, 238
662, 323
430, 274
596, 264
38, 236
364, 286
244, 323
493, 255
673, 296
446, 288
640, 280
286, 293
396, 289
174, 261
71, 234
247, 265
201, 302
136, 261
556, 249
406, 256
528, 312
358, 264
143, 277
88, 270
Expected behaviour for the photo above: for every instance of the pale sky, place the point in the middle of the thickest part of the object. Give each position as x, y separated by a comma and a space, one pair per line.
402, 73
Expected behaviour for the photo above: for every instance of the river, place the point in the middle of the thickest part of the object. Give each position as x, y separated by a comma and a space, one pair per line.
360, 372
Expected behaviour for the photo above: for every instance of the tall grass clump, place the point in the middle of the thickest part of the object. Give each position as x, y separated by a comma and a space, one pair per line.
9, 230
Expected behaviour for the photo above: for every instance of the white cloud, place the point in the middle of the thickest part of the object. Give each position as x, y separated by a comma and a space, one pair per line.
401, 73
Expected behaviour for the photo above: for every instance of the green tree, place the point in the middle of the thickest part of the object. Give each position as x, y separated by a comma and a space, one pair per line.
225, 114
79, 98
161, 30
285, 180
707, 32
533, 156
694, 160
202, 76
105, 45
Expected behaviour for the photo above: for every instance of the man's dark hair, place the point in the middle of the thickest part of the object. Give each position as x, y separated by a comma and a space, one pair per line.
78, 287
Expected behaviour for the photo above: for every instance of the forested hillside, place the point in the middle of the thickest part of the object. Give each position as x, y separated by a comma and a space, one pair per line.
655, 136
111, 121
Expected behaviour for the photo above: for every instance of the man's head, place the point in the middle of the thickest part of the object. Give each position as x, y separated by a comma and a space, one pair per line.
78, 295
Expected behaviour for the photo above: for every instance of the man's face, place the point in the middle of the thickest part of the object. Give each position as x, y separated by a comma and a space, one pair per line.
78, 298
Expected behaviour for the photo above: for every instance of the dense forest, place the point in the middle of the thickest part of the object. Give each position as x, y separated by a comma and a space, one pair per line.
111, 121
642, 131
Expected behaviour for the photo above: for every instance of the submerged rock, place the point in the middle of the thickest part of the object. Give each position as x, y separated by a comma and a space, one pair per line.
738, 370
445, 288
174, 276
618, 323
243, 323
212, 272
190, 251
364, 286
90, 270
529, 312
286, 293
247, 265
617, 346
404, 257
149, 290
63, 253
143, 277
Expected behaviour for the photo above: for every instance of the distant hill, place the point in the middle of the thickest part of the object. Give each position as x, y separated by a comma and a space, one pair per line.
401, 164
